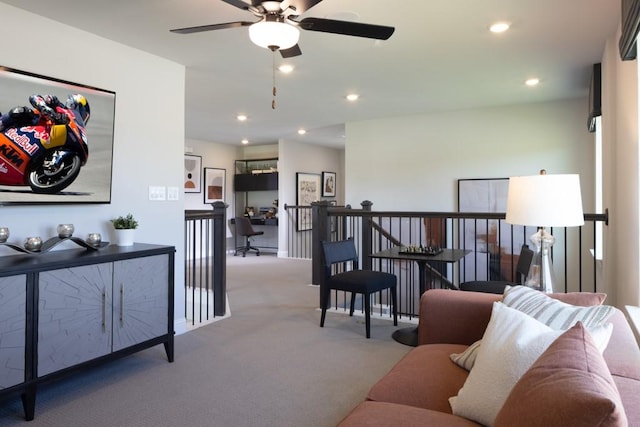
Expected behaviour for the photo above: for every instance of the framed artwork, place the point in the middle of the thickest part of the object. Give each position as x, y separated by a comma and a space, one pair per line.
307, 191
192, 168
214, 184
20, 149
492, 239
328, 184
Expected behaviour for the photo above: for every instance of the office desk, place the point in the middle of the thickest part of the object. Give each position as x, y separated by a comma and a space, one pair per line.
409, 336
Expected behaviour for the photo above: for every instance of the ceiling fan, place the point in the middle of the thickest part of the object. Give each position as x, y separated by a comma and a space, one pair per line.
278, 29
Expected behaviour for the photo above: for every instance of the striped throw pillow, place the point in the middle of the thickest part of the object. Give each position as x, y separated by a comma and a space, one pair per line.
467, 358
553, 313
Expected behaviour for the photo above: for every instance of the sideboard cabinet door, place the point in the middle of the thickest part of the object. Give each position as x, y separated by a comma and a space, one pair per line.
140, 300
12, 330
74, 320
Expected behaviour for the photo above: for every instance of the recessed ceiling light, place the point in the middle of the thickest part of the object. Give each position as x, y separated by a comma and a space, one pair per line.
245, 141
241, 117
301, 131
285, 68
353, 97
499, 27
532, 82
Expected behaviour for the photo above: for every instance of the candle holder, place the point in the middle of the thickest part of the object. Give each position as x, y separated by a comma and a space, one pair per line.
94, 239
36, 246
65, 230
4, 234
33, 244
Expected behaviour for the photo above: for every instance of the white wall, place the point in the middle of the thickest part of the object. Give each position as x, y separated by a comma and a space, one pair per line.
413, 163
149, 132
621, 174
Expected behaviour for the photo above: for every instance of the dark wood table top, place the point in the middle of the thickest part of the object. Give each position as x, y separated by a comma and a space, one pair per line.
447, 255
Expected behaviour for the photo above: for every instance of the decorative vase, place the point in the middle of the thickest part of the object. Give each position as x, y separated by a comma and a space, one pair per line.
124, 237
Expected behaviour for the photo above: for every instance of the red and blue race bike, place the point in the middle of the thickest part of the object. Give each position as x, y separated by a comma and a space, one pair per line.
46, 156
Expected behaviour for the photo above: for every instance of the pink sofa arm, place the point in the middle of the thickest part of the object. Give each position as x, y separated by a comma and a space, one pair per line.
454, 317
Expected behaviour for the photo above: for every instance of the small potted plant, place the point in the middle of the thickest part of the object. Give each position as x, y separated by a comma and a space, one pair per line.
124, 228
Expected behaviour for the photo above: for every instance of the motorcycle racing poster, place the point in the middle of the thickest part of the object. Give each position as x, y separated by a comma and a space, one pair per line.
51, 155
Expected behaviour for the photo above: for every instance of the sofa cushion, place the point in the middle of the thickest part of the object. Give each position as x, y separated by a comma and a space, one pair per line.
510, 345
569, 384
622, 355
384, 414
629, 389
424, 377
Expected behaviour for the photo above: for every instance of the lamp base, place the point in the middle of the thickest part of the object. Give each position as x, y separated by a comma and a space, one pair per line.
541, 275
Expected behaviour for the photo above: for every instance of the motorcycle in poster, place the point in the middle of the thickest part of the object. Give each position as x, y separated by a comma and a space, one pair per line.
44, 148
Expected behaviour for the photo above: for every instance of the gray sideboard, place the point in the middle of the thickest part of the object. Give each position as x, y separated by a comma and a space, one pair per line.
71, 309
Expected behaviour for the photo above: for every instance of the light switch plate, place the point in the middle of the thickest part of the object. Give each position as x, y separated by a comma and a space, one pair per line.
173, 193
157, 193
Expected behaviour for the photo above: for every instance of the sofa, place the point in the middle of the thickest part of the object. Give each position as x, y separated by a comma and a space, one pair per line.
417, 391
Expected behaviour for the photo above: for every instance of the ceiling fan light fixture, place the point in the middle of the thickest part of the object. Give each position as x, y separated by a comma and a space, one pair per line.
274, 34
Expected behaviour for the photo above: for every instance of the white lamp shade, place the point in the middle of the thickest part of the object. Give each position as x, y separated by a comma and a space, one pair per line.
545, 201
272, 33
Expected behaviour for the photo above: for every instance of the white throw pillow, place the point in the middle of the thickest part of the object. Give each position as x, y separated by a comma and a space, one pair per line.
553, 313
600, 334
510, 345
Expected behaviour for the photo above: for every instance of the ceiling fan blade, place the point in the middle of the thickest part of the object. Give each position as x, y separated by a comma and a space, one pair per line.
298, 6
291, 52
347, 28
211, 27
237, 3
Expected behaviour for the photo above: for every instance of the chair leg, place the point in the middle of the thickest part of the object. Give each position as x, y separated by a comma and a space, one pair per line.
325, 304
367, 314
353, 303
394, 301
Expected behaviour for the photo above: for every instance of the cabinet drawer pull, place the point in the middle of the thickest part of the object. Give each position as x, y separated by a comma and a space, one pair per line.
121, 304
104, 310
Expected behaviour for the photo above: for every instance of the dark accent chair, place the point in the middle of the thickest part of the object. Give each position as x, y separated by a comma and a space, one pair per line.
244, 229
365, 282
497, 286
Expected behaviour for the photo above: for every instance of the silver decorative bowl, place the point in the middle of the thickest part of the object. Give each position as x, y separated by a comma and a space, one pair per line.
4, 234
33, 244
94, 239
65, 230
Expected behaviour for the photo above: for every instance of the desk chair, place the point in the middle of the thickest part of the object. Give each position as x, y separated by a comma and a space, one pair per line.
356, 281
497, 286
244, 229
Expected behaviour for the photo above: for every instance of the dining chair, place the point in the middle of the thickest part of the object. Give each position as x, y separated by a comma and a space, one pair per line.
497, 286
356, 281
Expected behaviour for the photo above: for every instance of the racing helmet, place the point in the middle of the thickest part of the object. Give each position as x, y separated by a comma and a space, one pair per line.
79, 104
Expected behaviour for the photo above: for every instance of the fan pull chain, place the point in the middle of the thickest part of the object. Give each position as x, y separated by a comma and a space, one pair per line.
273, 100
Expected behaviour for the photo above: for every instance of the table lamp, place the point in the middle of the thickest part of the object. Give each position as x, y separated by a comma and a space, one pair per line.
544, 201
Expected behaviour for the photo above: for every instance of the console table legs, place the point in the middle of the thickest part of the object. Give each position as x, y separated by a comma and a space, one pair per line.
29, 402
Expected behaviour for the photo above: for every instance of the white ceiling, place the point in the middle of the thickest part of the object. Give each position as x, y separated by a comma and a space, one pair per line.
441, 57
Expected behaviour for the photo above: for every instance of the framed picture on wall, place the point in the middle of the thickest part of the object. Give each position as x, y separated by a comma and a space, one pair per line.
192, 168
328, 184
307, 191
495, 243
86, 178
214, 184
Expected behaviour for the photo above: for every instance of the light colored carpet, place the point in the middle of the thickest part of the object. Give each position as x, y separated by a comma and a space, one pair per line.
269, 364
